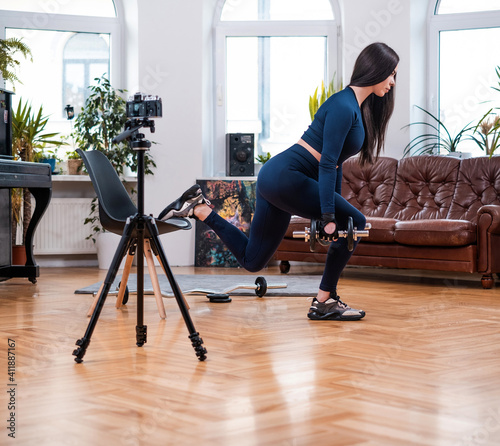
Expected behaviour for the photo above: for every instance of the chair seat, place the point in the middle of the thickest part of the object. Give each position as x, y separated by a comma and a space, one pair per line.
164, 227
115, 204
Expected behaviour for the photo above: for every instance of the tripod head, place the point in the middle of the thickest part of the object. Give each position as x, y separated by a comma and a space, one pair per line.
131, 133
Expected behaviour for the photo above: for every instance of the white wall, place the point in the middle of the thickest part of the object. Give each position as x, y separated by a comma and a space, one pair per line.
400, 24
172, 41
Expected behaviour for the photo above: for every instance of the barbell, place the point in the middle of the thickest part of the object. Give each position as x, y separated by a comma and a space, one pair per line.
312, 235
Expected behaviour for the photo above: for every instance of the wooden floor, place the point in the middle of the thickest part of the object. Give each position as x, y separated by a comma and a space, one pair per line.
422, 368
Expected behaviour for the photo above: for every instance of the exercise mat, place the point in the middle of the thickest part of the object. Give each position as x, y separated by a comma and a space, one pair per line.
295, 285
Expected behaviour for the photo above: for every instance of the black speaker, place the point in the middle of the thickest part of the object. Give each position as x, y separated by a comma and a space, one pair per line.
240, 154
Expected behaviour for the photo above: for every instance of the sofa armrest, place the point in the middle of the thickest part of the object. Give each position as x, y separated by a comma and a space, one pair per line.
488, 238
488, 218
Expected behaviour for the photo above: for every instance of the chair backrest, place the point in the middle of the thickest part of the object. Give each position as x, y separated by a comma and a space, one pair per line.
115, 204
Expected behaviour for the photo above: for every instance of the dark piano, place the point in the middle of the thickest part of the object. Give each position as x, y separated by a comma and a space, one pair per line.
34, 176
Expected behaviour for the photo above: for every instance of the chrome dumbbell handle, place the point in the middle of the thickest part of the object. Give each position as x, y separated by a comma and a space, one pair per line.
352, 234
357, 233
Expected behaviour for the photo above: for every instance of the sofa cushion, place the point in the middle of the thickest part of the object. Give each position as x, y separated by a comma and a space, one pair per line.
424, 188
478, 184
369, 188
297, 224
382, 230
435, 232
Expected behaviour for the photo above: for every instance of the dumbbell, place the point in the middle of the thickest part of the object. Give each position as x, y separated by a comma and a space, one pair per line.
312, 235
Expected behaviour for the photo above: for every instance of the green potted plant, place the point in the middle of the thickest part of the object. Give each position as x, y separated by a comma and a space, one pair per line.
75, 163
264, 158
316, 100
261, 159
102, 118
48, 154
487, 134
28, 141
435, 139
9, 48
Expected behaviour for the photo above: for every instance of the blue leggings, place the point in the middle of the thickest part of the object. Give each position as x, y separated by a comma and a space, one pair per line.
287, 185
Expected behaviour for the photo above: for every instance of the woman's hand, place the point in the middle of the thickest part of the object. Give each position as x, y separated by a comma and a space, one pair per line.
330, 228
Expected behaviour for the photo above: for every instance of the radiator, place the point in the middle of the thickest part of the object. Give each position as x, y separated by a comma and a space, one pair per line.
61, 229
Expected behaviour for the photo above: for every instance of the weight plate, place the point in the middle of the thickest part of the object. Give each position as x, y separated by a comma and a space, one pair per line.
261, 289
312, 236
350, 234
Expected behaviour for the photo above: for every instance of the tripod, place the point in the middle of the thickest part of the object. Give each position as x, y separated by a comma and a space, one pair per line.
137, 228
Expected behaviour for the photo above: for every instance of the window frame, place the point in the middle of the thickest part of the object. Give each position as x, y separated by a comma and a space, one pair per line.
73, 23
449, 22
331, 29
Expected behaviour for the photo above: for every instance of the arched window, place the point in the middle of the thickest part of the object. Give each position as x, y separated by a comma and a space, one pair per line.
85, 57
270, 57
72, 42
463, 61
96, 8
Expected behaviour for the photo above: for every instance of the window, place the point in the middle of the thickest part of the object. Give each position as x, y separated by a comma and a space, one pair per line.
71, 42
462, 63
459, 6
243, 10
99, 8
270, 57
85, 57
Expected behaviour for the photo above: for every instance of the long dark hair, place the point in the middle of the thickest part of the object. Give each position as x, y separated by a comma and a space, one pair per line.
374, 65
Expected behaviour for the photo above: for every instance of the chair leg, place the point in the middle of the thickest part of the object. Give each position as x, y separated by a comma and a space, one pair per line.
124, 281
182, 295
94, 302
154, 278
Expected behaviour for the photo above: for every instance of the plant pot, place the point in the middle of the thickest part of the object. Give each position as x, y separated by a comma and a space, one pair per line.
19, 255
75, 167
51, 162
106, 245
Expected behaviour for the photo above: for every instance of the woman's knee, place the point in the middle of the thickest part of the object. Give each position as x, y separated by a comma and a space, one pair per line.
359, 221
255, 266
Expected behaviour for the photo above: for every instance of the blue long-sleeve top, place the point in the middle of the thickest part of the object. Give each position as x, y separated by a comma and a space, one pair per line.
337, 133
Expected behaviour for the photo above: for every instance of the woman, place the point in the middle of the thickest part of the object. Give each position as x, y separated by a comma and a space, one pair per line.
305, 179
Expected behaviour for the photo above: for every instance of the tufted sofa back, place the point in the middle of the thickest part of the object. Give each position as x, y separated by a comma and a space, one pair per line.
370, 188
424, 188
478, 184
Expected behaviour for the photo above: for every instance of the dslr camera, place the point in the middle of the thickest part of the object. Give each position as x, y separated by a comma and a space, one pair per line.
144, 106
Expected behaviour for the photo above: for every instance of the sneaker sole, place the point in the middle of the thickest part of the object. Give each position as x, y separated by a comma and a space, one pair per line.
177, 206
184, 212
334, 317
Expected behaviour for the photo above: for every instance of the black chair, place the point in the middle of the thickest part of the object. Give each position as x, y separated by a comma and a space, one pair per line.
115, 207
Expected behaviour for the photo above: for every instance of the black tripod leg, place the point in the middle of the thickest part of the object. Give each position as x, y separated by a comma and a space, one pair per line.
120, 252
196, 340
141, 330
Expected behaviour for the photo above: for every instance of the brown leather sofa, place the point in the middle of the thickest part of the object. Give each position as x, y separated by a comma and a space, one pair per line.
426, 212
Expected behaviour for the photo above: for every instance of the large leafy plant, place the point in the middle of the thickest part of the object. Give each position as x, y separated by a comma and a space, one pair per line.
436, 137
102, 118
28, 141
28, 132
8, 49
